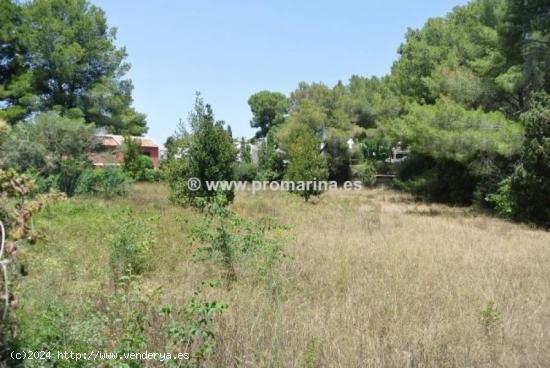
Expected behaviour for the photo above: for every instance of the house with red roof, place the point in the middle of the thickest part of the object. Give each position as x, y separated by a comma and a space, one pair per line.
110, 150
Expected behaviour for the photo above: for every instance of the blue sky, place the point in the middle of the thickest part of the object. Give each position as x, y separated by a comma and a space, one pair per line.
229, 50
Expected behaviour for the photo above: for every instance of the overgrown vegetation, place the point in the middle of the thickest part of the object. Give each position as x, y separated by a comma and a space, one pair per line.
300, 285
107, 182
16, 215
135, 164
373, 278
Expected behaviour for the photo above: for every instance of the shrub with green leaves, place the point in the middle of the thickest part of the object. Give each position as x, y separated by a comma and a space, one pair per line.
50, 147
135, 164
107, 182
233, 242
366, 172
130, 250
45, 142
503, 200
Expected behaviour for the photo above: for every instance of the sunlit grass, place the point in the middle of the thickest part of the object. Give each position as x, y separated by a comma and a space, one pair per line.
370, 278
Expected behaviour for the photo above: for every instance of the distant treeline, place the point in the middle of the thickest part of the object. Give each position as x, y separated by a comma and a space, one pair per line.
467, 96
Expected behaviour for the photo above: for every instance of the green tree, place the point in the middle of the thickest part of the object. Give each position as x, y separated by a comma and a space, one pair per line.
530, 183
370, 100
71, 65
15, 87
269, 109
135, 163
455, 150
42, 143
51, 147
209, 156
525, 39
307, 164
492, 54
325, 111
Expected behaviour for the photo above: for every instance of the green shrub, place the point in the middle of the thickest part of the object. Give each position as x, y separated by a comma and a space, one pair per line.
105, 182
130, 250
366, 172
420, 184
44, 184
68, 176
244, 171
503, 200
238, 244
439, 179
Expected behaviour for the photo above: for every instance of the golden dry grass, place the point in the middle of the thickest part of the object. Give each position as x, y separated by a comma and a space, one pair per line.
372, 279
379, 281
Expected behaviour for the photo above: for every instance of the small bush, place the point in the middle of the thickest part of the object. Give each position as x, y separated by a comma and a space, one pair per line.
489, 314
503, 199
68, 176
436, 179
244, 171
130, 250
366, 172
44, 184
105, 182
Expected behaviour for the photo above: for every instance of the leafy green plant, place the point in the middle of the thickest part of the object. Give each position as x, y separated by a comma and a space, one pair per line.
68, 176
229, 240
106, 182
130, 250
215, 233
193, 327
503, 199
367, 173
135, 164
310, 356
43, 183
132, 313
489, 317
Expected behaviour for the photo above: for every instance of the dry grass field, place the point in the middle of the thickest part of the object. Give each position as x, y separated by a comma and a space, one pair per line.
369, 279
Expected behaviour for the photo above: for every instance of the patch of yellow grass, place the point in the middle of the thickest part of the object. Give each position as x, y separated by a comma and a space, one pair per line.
378, 280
